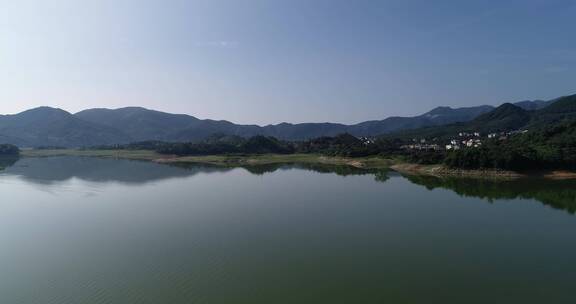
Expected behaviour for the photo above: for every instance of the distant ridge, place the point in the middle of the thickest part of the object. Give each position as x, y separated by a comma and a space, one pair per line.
532, 105
504, 118
47, 126
142, 124
139, 123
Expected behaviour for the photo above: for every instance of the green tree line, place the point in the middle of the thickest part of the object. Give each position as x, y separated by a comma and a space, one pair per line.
9, 150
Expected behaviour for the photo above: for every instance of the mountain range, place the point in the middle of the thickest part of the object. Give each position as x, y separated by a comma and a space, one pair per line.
506, 117
47, 126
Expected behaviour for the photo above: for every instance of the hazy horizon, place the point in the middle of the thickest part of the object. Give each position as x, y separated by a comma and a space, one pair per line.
266, 62
274, 123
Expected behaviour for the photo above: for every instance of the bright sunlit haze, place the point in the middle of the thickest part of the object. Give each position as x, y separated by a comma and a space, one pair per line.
262, 62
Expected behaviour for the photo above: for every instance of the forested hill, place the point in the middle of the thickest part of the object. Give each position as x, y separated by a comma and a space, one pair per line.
143, 124
508, 137
49, 127
506, 117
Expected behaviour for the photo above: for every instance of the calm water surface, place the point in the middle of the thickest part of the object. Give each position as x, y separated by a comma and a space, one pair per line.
86, 230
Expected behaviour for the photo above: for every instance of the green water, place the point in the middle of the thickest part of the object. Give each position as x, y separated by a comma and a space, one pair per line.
86, 230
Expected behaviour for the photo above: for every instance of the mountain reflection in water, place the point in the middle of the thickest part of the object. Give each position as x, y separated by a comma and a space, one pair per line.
58, 169
559, 194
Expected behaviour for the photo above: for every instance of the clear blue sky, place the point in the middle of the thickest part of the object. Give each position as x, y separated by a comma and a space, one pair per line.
268, 61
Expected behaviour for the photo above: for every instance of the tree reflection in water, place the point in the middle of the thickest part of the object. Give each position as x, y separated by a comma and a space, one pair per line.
560, 194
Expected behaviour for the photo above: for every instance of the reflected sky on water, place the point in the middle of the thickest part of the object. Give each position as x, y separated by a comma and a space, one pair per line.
89, 230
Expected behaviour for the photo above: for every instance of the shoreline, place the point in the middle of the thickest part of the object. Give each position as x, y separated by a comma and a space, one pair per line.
443, 171
222, 160
267, 159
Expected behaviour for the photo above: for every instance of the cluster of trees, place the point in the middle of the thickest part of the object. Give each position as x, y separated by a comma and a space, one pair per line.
9, 150
348, 146
491, 155
8, 155
550, 147
423, 157
344, 145
253, 145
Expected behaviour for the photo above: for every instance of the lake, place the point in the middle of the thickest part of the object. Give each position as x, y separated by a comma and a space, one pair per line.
89, 230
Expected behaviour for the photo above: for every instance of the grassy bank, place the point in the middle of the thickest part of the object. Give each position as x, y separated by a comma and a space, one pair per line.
224, 160
443, 171
121, 154
269, 159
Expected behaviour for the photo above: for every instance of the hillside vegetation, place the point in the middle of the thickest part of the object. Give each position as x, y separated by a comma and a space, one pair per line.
551, 145
524, 139
49, 127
